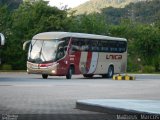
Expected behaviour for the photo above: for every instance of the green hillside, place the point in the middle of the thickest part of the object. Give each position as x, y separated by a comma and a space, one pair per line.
97, 5
11, 4
144, 12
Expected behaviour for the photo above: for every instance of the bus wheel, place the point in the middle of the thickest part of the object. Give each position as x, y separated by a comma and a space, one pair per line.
70, 72
44, 76
88, 75
110, 73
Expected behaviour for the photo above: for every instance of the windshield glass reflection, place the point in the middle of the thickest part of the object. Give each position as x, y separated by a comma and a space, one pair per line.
42, 51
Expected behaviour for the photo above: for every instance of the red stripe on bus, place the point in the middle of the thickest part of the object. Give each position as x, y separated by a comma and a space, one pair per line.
88, 62
77, 61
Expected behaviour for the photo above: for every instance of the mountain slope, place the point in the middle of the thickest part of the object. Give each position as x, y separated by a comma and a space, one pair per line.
12, 4
97, 5
144, 12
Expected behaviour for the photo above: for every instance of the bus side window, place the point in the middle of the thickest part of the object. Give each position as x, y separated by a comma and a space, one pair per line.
113, 45
81, 44
76, 45
90, 45
105, 46
122, 46
95, 47
61, 52
85, 45
102, 46
66, 41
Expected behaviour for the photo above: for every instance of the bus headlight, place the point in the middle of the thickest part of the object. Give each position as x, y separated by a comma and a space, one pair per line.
53, 71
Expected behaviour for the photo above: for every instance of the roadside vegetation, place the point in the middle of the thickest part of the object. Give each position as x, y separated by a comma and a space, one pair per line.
29, 18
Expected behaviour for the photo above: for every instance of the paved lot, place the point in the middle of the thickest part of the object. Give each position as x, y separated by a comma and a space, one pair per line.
21, 93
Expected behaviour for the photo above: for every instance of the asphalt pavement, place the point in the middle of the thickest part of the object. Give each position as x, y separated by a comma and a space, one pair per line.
31, 97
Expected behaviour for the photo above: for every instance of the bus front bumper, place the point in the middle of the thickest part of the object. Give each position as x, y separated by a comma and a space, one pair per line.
49, 69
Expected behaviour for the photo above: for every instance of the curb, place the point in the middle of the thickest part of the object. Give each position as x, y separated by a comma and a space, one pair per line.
115, 106
101, 109
123, 77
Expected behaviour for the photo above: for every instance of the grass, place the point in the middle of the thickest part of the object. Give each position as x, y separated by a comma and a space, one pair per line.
13, 70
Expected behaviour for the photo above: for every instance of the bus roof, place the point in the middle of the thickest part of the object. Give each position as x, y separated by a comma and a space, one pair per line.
60, 35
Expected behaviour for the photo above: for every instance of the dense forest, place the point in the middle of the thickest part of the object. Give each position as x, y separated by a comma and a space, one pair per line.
12, 4
145, 12
29, 18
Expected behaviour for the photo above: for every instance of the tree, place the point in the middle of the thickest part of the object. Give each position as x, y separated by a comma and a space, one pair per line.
143, 42
5, 19
5, 23
29, 19
92, 23
11, 4
147, 44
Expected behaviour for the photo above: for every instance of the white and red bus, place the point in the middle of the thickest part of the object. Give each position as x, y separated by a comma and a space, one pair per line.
66, 53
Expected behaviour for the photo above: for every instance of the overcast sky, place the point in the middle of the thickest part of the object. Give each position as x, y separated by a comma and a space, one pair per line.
69, 3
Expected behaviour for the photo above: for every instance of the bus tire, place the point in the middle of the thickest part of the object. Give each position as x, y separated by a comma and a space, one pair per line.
88, 75
70, 72
110, 72
44, 76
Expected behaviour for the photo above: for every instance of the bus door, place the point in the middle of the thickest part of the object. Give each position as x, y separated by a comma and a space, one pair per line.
75, 54
62, 59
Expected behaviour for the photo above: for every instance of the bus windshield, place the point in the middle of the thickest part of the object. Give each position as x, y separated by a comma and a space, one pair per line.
42, 51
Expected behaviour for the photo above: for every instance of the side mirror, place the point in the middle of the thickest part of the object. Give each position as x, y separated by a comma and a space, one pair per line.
61, 49
25, 43
2, 39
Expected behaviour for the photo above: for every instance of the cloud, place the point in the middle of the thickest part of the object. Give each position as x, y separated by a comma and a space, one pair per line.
69, 3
